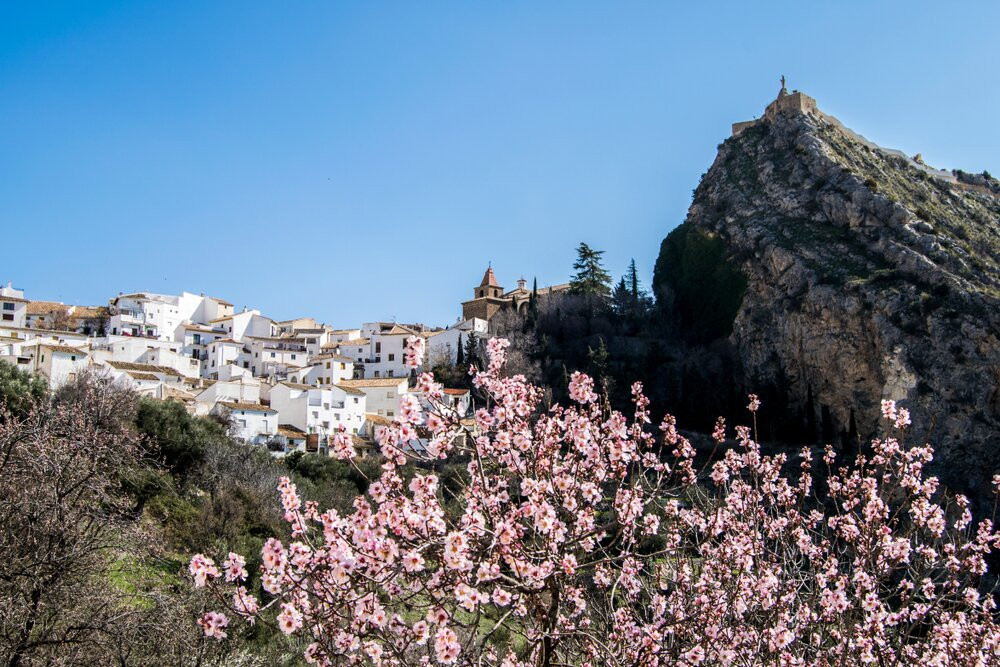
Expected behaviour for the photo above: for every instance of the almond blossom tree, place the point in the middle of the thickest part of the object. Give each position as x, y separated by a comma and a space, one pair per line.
584, 537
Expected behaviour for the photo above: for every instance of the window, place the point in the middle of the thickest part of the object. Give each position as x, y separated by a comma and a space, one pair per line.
242, 423
378, 347
293, 356
355, 399
315, 414
72, 357
343, 367
389, 373
376, 373
272, 355
8, 306
336, 415
392, 357
388, 413
390, 394
7, 317
381, 412
328, 364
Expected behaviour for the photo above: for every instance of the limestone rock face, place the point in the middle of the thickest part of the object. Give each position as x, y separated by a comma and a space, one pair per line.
869, 276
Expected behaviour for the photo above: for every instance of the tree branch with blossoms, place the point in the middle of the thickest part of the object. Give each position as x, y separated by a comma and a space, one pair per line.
587, 538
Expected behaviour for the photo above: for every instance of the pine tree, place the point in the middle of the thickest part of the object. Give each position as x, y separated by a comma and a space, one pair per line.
591, 278
628, 299
460, 356
621, 299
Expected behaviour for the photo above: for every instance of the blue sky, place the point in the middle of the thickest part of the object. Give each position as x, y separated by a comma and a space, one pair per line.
362, 161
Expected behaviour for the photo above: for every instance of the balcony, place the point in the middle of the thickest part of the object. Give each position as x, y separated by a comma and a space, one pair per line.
131, 317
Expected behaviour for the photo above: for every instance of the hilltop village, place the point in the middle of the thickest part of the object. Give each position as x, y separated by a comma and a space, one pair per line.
285, 385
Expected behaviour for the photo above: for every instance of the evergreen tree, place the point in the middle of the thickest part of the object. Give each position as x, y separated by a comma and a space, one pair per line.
533, 301
472, 351
628, 299
460, 356
632, 276
621, 299
591, 278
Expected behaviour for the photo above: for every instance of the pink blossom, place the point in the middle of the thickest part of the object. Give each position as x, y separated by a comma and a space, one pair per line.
608, 542
235, 567
290, 619
202, 568
413, 354
214, 624
581, 388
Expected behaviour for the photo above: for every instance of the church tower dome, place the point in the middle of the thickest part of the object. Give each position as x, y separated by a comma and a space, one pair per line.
489, 287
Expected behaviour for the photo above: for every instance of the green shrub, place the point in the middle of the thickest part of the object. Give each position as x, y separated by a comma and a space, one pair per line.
177, 438
19, 389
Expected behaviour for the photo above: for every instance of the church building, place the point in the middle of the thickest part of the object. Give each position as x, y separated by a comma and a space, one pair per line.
490, 299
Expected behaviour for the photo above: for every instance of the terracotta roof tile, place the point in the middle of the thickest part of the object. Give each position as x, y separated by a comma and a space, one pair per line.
250, 407
144, 368
489, 279
290, 431
44, 307
66, 349
374, 382
299, 385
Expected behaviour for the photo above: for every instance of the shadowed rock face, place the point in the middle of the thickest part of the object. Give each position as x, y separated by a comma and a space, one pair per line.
869, 276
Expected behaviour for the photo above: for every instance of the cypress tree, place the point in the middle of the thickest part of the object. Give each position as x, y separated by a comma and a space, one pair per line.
633, 277
471, 353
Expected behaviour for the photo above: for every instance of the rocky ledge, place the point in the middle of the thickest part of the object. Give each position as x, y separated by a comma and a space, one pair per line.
869, 276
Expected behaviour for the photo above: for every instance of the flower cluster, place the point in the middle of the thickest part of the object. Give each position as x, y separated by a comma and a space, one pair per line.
413, 353
579, 537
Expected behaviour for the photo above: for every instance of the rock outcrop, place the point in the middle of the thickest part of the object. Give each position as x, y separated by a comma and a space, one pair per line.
869, 275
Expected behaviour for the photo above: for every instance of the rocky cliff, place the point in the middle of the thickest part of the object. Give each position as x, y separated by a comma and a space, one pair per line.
868, 275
